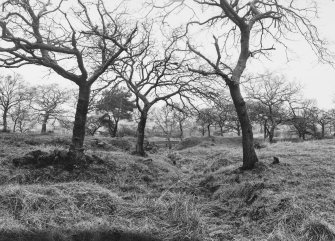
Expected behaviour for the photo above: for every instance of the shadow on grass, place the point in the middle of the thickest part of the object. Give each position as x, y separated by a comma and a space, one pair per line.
88, 235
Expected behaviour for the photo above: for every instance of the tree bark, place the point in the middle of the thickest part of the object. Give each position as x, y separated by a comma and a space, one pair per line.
209, 130
249, 154
78, 135
322, 130
141, 133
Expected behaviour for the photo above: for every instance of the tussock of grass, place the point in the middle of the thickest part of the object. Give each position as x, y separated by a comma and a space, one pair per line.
317, 230
59, 205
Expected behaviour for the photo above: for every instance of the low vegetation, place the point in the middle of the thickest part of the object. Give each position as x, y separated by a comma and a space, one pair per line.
195, 192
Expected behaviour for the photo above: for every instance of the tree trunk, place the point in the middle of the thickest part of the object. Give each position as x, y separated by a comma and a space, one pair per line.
44, 124
209, 130
249, 154
141, 133
4, 120
203, 131
14, 127
272, 133
78, 135
322, 130
114, 132
169, 142
265, 129
221, 130
181, 131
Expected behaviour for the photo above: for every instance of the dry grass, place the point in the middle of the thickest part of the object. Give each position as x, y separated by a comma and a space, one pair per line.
203, 197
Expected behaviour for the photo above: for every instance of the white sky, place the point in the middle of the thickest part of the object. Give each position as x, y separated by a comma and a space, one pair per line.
318, 79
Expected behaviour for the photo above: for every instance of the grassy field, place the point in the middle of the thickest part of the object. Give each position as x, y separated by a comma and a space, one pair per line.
203, 197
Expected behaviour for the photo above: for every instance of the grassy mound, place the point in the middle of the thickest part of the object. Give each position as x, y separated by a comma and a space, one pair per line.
60, 205
189, 142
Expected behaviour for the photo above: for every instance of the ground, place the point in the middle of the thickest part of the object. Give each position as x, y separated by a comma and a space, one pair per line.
203, 196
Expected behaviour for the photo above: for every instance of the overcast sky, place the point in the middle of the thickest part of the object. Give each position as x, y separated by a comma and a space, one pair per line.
318, 79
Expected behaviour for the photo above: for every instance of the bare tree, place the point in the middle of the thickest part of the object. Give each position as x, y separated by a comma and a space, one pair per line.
303, 118
244, 29
49, 103
180, 114
154, 74
271, 92
12, 93
79, 41
165, 119
206, 118
22, 113
324, 119
94, 123
223, 111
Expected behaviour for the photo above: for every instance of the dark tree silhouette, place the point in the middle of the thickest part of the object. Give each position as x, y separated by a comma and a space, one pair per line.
115, 104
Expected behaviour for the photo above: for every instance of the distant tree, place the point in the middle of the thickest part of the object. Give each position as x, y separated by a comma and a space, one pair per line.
331, 114
48, 103
180, 114
22, 113
94, 123
303, 118
115, 104
223, 111
206, 118
323, 118
12, 93
166, 121
78, 40
270, 93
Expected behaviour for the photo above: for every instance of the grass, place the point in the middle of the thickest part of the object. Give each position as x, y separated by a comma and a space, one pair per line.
203, 197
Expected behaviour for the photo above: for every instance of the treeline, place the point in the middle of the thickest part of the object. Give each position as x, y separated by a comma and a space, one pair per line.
272, 102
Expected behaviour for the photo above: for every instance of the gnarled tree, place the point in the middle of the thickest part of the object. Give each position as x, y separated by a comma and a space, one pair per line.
78, 40
154, 73
242, 29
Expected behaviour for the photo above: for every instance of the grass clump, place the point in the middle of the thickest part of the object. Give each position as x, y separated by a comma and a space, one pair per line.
318, 230
59, 205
